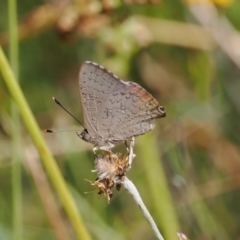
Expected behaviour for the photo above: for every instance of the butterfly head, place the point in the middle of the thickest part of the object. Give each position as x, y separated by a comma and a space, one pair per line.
84, 135
99, 142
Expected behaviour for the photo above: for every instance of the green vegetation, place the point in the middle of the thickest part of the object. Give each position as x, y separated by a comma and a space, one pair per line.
186, 170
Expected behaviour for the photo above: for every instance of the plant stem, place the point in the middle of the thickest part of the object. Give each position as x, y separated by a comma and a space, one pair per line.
134, 192
158, 189
47, 158
15, 126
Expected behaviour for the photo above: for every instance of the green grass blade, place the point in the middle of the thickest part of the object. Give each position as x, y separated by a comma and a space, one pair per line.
157, 187
47, 158
15, 126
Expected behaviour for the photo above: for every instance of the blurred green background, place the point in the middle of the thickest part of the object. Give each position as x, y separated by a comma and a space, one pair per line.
187, 57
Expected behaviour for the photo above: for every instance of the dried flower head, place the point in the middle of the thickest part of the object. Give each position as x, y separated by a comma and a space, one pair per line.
111, 169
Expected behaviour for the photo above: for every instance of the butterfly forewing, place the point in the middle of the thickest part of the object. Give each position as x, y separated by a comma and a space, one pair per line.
96, 83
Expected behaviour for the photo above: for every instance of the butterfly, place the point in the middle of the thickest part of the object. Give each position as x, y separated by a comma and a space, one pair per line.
114, 111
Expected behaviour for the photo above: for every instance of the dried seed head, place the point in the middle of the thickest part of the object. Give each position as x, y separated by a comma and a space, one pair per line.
106, 165
111, 169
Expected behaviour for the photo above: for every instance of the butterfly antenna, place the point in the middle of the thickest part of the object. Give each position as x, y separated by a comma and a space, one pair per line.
57, 131
58, 103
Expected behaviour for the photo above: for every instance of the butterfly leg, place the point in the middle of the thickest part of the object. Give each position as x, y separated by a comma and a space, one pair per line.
130, 145
130, 148
103, 148
95, 149
107, 147
126, 145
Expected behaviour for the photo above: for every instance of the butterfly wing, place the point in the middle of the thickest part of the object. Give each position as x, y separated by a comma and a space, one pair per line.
128, 111
95, 84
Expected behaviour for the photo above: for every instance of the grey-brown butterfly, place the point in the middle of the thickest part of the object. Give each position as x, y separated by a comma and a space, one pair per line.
114, 110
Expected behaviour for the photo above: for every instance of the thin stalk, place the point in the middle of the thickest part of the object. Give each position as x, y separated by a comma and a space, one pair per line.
157, 187
136, 196
15, 126
47, 158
